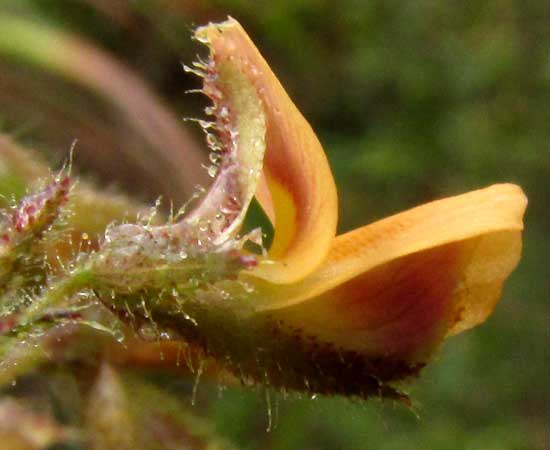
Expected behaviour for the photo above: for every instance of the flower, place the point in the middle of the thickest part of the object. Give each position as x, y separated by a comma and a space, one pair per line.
368, 307
351, 314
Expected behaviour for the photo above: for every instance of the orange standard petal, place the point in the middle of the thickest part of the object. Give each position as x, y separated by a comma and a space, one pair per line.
298, 190
396, 288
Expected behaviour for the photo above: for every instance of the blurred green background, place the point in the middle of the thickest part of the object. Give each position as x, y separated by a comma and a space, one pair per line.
413, 101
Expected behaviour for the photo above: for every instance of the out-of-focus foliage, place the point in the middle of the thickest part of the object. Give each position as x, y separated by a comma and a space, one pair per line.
413, 100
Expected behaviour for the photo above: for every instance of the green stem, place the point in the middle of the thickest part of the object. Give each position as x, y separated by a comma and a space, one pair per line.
56, 295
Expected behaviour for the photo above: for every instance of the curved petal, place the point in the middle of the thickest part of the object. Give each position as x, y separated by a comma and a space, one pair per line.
301, 187
398, 286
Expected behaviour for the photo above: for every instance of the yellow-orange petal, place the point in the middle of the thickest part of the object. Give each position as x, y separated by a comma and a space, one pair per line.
397, 287
302, 193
